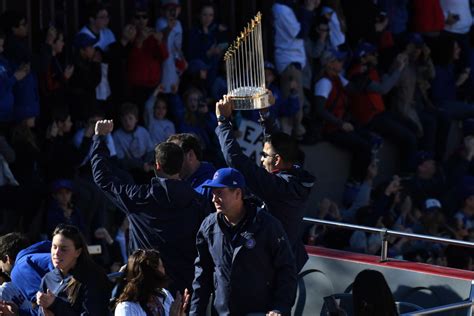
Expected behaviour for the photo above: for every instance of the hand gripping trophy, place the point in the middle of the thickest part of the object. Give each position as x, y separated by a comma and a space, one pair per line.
245, 69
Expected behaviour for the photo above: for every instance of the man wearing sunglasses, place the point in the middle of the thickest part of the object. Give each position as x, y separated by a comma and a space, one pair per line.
280, 182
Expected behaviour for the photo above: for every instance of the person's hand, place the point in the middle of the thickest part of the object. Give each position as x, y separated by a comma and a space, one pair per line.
426, 51
51, 35
180, 304
469, 146
394, 186
158, 36
128, 34
52, 131
273, 313
147, 167
159, 89
381, 25
103, 127
347, 127
271, 97
401, 61
45, 299
463, 76
451, 19
8, 308
102, 233
334, 211
311, 5
372, 171
20, 74
213, 51
68, 71
224, 107
22, 71
174, 87
222, 28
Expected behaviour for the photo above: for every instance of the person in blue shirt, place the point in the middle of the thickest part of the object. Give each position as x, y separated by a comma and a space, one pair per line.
26, 266
8, 78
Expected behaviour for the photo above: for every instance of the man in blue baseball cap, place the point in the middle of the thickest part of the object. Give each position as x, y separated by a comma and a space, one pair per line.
244, 256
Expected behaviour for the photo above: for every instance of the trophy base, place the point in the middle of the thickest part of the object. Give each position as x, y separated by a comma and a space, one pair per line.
255, 101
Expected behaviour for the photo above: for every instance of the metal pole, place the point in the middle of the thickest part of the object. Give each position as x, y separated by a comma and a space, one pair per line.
384, 250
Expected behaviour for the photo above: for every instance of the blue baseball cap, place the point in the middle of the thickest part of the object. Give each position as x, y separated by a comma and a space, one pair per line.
226, 178
365, 49
332, 55
62, 184
83, 40
415, 38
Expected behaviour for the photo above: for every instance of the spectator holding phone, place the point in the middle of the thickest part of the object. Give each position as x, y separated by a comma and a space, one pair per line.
146, 58
458, 21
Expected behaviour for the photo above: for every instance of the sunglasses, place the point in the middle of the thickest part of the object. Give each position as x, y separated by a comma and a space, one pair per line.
141, 16
265, 155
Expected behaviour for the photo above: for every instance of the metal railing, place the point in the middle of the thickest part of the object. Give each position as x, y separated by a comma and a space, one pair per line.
385, 233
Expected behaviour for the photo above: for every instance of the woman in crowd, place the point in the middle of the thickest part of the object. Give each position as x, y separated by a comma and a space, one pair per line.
76, 286
144, 293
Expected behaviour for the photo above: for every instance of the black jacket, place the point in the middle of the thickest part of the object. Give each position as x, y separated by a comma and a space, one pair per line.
285, 192
250, 271
164, 215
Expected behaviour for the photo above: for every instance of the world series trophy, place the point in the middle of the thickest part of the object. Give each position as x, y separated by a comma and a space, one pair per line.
245, 68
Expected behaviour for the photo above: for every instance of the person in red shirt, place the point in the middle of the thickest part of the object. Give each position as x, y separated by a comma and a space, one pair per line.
367, 106
145, 59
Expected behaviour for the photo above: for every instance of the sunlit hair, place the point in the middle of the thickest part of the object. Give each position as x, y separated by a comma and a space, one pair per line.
143, 278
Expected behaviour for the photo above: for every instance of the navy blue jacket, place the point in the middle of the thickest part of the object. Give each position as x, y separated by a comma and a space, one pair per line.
251, 271
31, 264
163, 215
284, 193
7, 81
92, 299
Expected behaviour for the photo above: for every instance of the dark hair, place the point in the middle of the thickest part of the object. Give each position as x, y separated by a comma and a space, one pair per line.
285, 146
94, 9
371, 295
143, 278
84, 267
60, 113
129, 108
187, 142
170, 157
11, 244
11, 19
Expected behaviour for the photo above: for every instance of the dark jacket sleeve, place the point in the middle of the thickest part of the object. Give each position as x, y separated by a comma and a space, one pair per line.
323, 113
285, 271
203, 275
124, 195
262, 183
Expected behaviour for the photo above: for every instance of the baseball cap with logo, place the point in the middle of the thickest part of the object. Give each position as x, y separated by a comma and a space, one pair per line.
226, 178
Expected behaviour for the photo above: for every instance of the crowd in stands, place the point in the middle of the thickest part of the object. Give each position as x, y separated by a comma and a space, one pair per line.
358, 74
